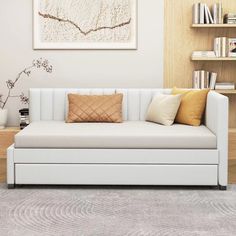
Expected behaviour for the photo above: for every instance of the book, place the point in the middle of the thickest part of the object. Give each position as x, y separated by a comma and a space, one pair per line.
202, 79
231, 22
196, 81
206, 16
217, 47
225, 85
220, 13
213, 78
207, 79
231, 15
209, 15
223, 47
202, 13
215, 13
204, 54
196, 13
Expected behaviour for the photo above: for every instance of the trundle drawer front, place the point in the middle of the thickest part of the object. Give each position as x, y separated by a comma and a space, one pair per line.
106, 174
117, 156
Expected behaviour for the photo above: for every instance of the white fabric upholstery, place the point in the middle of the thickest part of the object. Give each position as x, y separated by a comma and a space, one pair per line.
185, 154
130, 134
51, 104
217, 122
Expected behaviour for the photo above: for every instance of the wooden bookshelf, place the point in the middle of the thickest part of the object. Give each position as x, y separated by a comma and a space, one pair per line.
213, 58
213, 25
182, 38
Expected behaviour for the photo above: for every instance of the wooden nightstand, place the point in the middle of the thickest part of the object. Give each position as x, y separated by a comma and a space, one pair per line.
7, 139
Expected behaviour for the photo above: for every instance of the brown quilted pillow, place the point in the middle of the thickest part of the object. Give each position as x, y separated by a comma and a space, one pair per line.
95, 108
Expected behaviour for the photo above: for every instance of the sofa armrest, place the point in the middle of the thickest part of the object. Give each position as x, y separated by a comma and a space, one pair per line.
217, 110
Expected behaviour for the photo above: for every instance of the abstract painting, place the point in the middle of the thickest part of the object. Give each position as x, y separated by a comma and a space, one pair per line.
85, 24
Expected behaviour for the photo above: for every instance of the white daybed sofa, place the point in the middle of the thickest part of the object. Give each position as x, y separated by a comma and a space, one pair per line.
135, 152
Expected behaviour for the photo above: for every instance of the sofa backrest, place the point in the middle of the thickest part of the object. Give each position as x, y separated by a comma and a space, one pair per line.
52, 104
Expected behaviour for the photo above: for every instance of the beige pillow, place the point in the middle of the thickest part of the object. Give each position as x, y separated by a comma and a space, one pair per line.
95, 108
163, 109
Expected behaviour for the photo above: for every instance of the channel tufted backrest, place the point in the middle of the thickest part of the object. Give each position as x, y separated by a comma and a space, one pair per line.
51, 104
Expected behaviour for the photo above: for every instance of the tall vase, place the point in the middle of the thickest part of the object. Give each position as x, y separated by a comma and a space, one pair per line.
3, 118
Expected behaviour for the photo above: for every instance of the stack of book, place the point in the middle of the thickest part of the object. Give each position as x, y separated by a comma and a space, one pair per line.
230, 18
24, 117
202, 14
208, 54
225, 86
225, 47
204, 79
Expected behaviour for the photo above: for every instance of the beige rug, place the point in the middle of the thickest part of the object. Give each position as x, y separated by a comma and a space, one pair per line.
97, 211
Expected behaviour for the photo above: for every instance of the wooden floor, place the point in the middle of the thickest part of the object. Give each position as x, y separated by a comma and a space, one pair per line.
232, 171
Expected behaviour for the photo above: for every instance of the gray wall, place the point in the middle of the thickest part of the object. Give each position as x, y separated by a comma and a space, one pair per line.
75, 68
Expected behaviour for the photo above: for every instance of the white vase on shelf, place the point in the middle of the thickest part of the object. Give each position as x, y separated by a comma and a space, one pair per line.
3, 118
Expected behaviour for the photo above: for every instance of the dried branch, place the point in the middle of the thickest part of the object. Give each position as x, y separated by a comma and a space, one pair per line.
39, 64
49, 16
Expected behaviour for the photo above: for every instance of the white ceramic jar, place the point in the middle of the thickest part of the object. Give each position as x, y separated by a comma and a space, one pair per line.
3, 118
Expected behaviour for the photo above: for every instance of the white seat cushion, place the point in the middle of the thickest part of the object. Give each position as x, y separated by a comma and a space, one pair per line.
130, 134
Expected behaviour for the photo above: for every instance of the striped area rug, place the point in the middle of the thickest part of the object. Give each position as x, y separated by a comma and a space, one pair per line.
104, 211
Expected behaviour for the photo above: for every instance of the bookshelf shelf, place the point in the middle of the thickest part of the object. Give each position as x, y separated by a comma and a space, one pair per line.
232, 130
213, 58
226, 91
213, 25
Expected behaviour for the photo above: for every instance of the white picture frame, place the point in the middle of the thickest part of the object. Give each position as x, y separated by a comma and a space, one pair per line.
39, 44
232, 47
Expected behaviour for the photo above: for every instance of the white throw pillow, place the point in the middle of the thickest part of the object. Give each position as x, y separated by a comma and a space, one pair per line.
163, 109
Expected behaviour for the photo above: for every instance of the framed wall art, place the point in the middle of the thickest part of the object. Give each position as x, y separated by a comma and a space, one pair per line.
85, 24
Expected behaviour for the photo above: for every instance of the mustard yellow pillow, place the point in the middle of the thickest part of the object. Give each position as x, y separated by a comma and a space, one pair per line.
192, 106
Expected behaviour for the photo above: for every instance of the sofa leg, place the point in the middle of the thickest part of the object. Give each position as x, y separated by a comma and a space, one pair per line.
223, 188
11, 186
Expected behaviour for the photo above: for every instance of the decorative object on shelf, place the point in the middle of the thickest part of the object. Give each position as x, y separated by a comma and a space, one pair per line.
232, 47
230, 18
24, 117
83, 24
3, 118
37, 64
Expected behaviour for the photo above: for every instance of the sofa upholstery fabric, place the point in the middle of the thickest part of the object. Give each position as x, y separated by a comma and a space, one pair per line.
129, 134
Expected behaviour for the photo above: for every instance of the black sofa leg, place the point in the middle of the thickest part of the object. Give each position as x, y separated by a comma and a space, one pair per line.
223, 188
11, 186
